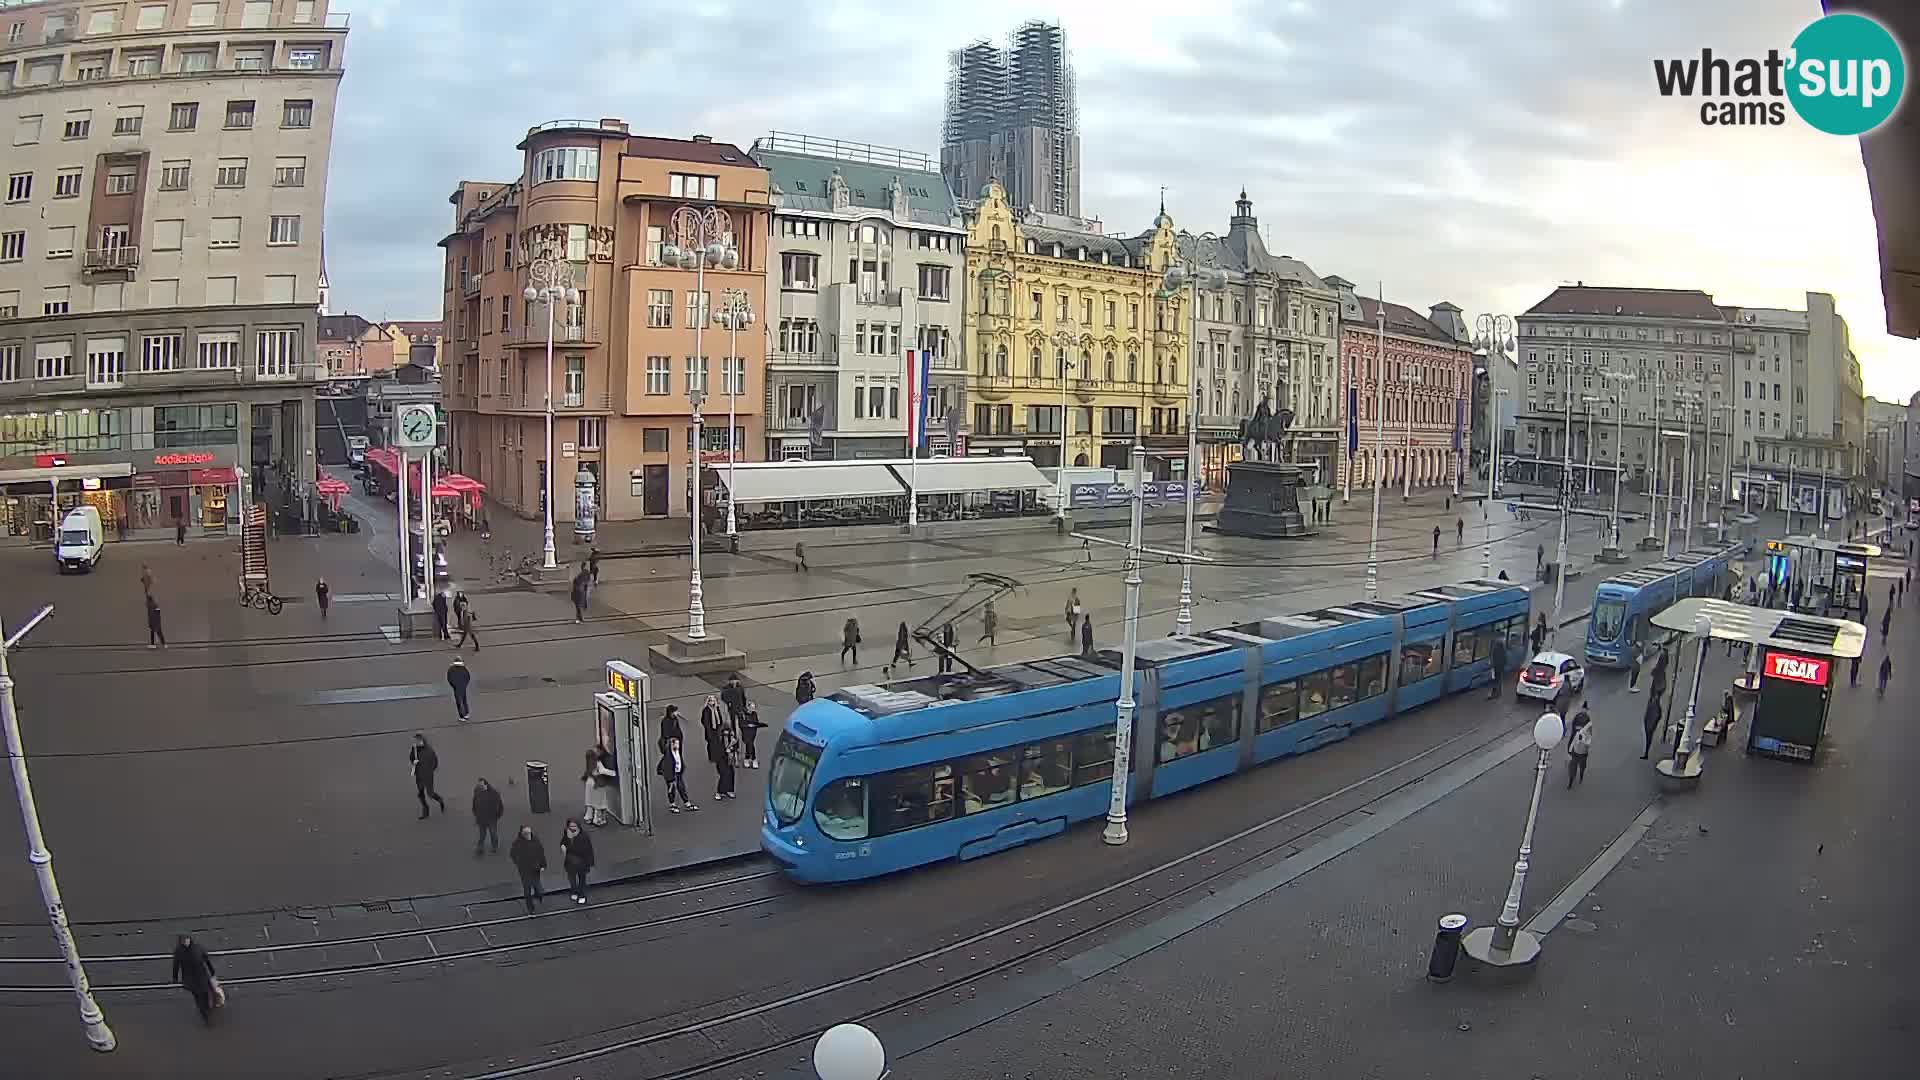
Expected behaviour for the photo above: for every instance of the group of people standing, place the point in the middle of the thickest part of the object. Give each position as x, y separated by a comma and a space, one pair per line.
730, 729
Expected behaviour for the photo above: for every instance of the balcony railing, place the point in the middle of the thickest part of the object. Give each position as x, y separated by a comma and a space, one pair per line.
125, 257
814, 359
470, 284
572, 399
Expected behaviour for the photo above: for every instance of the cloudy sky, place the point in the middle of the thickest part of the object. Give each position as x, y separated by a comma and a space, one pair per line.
1478, 151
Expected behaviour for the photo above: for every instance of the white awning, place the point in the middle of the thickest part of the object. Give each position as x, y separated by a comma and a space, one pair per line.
949, 476
63, 472
781, 481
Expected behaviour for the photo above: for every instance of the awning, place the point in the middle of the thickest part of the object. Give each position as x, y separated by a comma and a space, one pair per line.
462, 483
385, 458
949, 476
63, 472
800, 481
216, 477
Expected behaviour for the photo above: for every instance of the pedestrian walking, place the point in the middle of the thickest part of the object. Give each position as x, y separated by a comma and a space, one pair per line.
193, 970
579, 594
597, 780
799, 556
946, 648
673, 770
803, 688
714, 728
529, 857
1886, 623
1436, 541
1459, 530
850, 641
425, 763
669, 728
1886, 672
179, 532
750, 726
467, 631
440, 618
1651, 720
458, 679
989, 621
593, 567
1579, 745
902, 646
1086, 636
1633, 669
323, 594
576, 858
146, 579
1853, 672
156, 632
1073, 614
1539, 556
487, 812
1498, 655
1539, 636
734, 696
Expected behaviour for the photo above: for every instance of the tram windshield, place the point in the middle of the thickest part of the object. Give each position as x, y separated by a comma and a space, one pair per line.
789, 778
1608, 615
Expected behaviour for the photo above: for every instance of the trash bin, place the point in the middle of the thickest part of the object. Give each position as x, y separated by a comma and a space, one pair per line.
1446, 947
537, 799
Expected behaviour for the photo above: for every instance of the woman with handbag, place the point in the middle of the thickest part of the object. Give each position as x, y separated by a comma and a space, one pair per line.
598, 778
193, 969
713, 724
577, 859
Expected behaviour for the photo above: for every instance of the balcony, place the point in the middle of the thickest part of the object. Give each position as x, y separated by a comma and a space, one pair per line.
469, 284
800, 359
534, 335
122, 260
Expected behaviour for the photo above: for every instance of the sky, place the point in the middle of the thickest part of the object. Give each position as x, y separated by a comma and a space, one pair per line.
1476, 151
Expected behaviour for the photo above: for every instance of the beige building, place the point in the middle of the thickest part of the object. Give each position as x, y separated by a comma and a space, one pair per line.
165, 176
602, 201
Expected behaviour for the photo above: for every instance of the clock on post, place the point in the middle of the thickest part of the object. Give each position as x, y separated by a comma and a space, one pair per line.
415, 426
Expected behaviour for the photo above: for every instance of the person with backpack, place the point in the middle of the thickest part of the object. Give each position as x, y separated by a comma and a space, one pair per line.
850, 640
1579, 745
803, 688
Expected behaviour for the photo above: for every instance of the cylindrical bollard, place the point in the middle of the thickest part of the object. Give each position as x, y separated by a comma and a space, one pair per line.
537, 799
1446, 947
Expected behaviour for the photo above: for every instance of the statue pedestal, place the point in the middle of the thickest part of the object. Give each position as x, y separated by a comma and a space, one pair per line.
1263, 499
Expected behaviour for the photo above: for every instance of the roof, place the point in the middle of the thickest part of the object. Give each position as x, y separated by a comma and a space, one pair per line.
1550, 657
1071, 240
704, 151
1242, 251
343, 327
418, 328
1401, 320
1643, 303
802, 182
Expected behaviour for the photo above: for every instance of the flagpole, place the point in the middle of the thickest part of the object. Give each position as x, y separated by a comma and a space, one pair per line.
914, 390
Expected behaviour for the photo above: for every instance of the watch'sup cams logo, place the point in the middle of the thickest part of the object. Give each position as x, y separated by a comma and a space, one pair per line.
1844, 75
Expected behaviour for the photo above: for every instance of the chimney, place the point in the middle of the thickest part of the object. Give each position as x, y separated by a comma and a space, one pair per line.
703, 138
613, 123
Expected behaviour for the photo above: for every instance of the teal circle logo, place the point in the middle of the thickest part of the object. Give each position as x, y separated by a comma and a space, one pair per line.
1847, 74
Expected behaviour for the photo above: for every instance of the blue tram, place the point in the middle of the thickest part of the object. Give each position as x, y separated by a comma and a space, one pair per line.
873, 779
1623, 604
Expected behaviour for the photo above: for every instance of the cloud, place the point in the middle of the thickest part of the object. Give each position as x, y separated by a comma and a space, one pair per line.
1481, 151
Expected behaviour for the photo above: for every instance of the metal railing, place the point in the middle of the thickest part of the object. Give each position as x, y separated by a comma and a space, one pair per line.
123, 257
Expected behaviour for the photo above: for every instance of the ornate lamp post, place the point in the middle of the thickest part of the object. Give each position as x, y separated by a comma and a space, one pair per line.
549, 282
1065, 337
1504, 944
1198, 271
1619, 379
1493, 470
736, 314
701, 237
1379, 449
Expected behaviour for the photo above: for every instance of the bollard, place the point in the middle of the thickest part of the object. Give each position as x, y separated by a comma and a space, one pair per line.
1446, 948
537, 796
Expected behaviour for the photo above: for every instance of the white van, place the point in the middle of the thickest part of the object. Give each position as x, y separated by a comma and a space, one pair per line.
81, 540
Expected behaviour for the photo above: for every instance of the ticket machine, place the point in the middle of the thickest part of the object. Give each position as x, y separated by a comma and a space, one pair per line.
619, 726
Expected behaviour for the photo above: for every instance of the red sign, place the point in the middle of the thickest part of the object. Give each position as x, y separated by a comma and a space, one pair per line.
49, 461
182, 459
1804, 669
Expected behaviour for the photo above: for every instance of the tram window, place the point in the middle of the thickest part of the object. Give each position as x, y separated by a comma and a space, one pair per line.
1343, 680
987, 780
1463, 647
1313, 694
1373, 676
1093, 756
1516, 635
1279, 704
841, 809
1179, 735
790, 777
1220, 721
1420, 660
1045, 768
907, 798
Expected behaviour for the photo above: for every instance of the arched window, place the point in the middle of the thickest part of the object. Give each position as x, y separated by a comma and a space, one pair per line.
1133, 367
996, 232
1000, 361
1086, 365
1060, 363
1109, 365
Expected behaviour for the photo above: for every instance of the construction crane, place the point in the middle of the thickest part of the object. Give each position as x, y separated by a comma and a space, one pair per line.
981, 590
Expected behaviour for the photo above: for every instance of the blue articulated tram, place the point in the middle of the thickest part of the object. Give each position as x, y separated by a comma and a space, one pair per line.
872, 779
1623, 604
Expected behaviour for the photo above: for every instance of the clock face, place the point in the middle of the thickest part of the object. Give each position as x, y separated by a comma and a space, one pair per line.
417, 425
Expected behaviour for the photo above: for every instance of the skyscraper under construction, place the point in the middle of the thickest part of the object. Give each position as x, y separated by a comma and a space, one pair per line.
1011, 117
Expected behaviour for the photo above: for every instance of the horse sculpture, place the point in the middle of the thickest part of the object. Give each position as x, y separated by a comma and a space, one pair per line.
1266, 435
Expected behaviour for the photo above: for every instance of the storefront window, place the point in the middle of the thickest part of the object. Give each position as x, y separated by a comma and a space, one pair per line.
196, 425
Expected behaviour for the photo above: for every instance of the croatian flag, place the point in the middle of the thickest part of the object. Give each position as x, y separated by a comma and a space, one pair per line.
919, 370
1353, 420
1458, 414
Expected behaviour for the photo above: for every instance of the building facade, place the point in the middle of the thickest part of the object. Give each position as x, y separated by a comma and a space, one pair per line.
160, 256
1886, 445
1070, 332
604, 205
1011, 118
1628, 363
1413, 428
868, 261
1802, 408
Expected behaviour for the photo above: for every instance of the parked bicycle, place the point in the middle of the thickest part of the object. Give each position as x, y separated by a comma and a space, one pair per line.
255, 594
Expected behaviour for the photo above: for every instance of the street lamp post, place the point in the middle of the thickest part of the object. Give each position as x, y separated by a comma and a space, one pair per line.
702, 237
1379, 450
1196, 271
849, 1052
1659, 441
1504, 944
1566, 498
1495, 330
99, 1035
1685, 764
1064, 339
736, 313
1116, 830
549, 282
1618, 379
1406, 461
1486, 514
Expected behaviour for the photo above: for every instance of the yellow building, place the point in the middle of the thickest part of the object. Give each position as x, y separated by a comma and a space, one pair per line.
1069, 324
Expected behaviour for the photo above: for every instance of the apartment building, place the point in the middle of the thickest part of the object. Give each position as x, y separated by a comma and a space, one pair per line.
1413, 428
601, 207
1802, 407
165, 172
871, 257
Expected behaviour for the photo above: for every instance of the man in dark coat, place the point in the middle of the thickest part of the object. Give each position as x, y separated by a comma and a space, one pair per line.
487, 812
467, 631
193, 969
529, 857
580, 596
425, 763
459, 678
734, 697
156, 633
1086, 636
1498, 654
1651, 719
440, 623
323, 594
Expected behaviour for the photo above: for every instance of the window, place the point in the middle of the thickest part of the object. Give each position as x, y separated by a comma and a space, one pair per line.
13, 246
60, 242
183, 116
841, 808
653, 440
907, 798
223, 291
307, 59
225, 233
9, 303
283, 229
292, 172
151, 17
143, 63
256, 13
249, 59
79, 124
659, 376
685, 186
1420, 660
659, 308
167, 234
934, 281
52, 360
9, 363
799, 271
19, 187
195, 60
303, 11
592, 432
800, 227
987, 781
801, 336
26, 130
562, 163
1192, 729
89, 68
699, 305
239, 114
160, 352
1279, 704
66, 183
574, 382
122, 179
106, 361
276, 354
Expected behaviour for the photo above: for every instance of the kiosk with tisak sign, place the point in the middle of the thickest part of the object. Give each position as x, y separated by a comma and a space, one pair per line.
619, 727
1790, 718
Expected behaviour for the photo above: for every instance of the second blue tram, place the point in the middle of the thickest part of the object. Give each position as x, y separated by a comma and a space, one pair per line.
1623, 603
873, 779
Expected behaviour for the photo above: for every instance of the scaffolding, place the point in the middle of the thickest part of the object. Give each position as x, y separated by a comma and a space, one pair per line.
992, 93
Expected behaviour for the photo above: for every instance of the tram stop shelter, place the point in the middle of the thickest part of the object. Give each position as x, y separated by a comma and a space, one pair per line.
1787, 690
1836, 579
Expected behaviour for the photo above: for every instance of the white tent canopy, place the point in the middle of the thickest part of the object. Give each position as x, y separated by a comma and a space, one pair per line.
780, 481
950, 476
